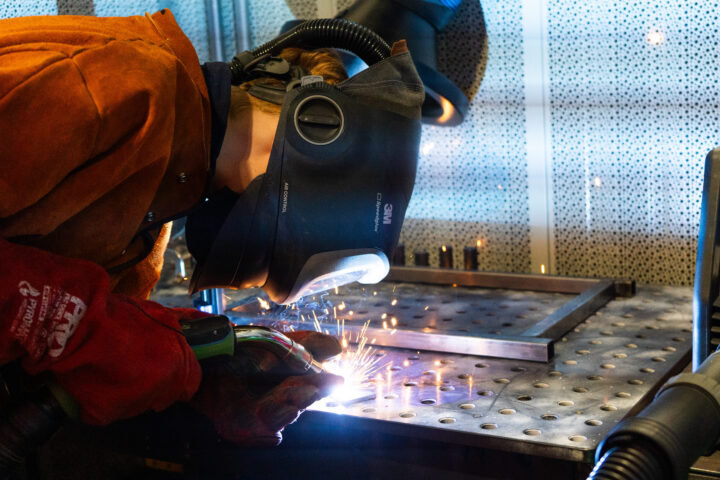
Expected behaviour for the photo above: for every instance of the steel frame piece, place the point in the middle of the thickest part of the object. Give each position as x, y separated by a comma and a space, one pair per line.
535, 343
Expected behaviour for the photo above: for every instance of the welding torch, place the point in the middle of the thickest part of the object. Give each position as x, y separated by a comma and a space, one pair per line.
35, 421
214, 336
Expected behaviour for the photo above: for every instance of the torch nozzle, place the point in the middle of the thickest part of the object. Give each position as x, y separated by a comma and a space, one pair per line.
291, 352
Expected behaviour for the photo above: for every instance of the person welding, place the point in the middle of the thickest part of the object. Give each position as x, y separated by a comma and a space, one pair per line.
284, 168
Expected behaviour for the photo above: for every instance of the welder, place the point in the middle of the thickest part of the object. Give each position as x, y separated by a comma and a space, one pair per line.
111, 129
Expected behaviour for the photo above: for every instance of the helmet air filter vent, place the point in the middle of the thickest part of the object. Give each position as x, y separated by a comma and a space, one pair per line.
319, 120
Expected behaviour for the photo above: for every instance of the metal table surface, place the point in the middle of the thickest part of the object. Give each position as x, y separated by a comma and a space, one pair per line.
608, 367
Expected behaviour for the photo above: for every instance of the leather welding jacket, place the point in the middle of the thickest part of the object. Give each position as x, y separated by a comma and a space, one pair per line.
105, 132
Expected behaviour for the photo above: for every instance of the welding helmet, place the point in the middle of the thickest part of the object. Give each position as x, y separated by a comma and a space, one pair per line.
329, 208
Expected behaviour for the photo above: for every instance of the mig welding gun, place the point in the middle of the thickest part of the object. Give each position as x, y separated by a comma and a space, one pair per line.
33, 422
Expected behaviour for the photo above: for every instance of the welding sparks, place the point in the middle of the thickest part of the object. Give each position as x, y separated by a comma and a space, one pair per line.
316, 322
358, 362
263, 303
356, 365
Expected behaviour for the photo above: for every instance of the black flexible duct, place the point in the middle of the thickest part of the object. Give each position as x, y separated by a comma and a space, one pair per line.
26, 427
320, 33
669, 435
628, 463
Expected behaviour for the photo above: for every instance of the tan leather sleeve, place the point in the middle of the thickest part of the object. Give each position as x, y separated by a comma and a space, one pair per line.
85, 104
139, 280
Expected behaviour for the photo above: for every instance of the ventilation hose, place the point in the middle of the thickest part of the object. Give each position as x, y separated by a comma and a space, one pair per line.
668, 436
320, 33
628, 463
26, 427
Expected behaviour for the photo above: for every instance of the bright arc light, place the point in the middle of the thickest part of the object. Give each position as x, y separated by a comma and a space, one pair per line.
263, 303
357, 366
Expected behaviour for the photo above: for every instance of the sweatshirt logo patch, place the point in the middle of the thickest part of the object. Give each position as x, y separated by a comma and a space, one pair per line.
45, 323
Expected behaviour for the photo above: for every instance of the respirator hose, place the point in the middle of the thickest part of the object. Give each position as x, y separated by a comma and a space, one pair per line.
323, 33
26, 427
667, 437
627, 463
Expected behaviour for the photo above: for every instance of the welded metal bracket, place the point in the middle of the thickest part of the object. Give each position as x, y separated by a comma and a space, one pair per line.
535, 343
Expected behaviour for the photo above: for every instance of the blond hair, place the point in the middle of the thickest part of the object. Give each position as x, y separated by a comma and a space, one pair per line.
322, 62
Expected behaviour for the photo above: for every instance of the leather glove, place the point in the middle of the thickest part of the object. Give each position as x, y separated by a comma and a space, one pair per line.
251, 396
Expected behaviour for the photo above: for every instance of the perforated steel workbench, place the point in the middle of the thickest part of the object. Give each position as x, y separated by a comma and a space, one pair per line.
601, 372
604, 369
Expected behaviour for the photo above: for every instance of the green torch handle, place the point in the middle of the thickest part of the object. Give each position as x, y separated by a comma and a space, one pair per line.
209, 336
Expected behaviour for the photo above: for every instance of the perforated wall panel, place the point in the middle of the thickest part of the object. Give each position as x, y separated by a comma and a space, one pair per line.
472, 179
75, 7
190, 15
634, 110
633, 107
228, 29
10, 9
268, 16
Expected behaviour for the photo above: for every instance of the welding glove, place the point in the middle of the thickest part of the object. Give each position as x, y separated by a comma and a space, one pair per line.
251, 396
117, 356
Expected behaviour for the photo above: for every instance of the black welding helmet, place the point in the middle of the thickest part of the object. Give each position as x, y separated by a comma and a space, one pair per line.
329, 208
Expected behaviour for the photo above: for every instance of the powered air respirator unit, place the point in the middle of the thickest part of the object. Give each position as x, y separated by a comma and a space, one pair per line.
329, 208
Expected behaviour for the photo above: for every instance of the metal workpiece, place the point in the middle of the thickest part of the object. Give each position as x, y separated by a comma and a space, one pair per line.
604, 369
532, 349
608, 367
517, 281
487, 322
573, 312
480, 314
